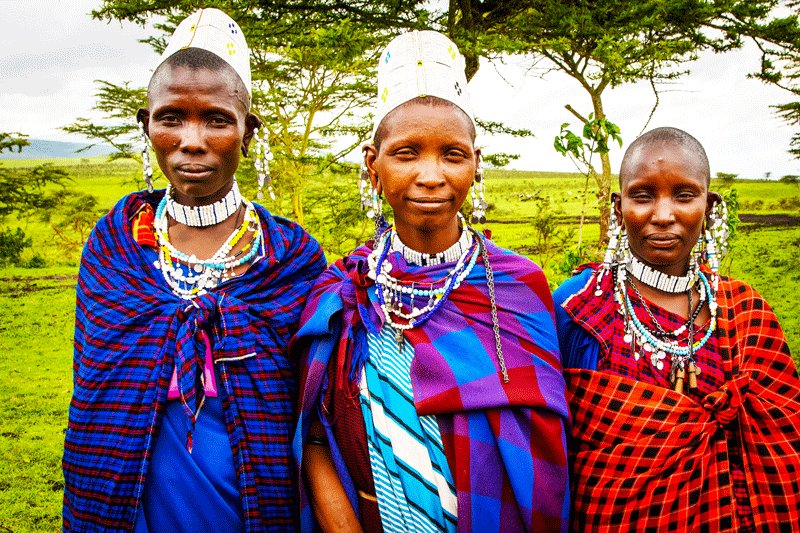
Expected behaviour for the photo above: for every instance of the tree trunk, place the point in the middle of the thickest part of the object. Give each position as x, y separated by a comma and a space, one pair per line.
603, 178
297, 205
467, 22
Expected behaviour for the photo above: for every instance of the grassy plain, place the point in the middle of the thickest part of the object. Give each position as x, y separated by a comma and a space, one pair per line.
36, 330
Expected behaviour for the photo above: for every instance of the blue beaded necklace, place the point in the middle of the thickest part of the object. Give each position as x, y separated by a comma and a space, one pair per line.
390, 291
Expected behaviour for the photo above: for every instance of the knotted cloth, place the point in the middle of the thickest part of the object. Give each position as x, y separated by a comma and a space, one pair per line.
131, 331
505, 442
646, 458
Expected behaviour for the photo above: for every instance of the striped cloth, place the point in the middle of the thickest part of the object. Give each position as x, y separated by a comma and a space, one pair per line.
131, 331
414, 487
505, 442
646, 458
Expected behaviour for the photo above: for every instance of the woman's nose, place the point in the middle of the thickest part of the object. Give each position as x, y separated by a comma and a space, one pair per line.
663, 212
430, 172
192, 138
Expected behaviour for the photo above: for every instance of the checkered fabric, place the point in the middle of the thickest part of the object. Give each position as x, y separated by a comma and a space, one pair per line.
505, 443
646, 458
131, 331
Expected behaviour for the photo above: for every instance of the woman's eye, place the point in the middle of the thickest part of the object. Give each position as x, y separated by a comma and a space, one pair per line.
169, 119
220, 120
456, 154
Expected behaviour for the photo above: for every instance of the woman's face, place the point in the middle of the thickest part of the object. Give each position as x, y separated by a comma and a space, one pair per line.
198, 127
663, 203
425, 166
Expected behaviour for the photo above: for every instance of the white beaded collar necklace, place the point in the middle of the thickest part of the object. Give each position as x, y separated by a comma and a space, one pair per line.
204, 215
661, 281
422, 259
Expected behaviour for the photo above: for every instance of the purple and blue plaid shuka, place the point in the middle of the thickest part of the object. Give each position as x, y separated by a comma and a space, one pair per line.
131, 331
505, 442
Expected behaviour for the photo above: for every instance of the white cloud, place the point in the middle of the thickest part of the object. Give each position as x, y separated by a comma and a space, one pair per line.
53, 51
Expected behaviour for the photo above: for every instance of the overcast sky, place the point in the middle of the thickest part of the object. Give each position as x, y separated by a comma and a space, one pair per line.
53, 51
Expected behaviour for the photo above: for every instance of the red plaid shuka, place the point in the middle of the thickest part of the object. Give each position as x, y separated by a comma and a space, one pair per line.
646, 458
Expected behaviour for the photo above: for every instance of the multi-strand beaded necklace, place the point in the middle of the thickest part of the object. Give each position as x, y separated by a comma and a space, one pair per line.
187, 275
397, 297
660, 343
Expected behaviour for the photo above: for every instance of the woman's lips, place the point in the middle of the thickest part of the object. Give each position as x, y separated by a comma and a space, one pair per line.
662, 241
194, 171
429, 204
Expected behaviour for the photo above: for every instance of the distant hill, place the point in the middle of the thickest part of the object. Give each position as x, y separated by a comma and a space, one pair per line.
41, 149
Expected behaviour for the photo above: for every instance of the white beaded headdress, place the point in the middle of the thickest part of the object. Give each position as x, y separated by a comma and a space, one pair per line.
416, 64
214, 31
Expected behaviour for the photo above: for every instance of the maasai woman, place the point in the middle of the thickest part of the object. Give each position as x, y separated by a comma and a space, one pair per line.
183, 403
684, 397
431, 396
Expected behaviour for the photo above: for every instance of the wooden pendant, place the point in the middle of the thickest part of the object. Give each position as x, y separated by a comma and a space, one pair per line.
399, 338
693, 371
680, 375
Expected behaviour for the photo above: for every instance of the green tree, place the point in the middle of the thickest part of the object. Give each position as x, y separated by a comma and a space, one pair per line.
313, 69
780, 66
313, 77
606, 43
22, 192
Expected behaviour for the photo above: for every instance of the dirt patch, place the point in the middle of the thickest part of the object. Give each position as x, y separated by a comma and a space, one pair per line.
19, 286
770, 220
750, 220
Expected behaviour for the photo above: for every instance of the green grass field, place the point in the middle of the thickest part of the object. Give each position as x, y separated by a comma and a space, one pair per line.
36, 333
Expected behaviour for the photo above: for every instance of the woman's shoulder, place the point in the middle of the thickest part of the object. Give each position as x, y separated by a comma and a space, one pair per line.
574, 284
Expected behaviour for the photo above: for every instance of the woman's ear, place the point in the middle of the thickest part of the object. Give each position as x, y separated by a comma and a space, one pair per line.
143, 116
616, 205
713, 198
370, 155
251, 123
477, 159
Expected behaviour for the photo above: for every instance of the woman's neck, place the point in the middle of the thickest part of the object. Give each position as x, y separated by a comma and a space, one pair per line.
429, 241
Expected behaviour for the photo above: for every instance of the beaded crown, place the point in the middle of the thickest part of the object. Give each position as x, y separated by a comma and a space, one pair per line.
214, 31
417, 64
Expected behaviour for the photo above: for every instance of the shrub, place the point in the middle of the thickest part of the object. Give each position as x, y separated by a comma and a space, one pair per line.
12, 243
37, 261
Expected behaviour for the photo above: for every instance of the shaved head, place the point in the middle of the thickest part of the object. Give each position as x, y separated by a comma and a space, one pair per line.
433, 101
664, 137
200, 59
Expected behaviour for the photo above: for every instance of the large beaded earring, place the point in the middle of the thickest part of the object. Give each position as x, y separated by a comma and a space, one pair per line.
147, 168
479, 204
261, 158
615, 251
716, 236
717, 231
371, 201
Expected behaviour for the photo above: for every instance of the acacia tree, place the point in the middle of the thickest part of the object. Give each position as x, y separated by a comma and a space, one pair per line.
606, 43
22, 191
313, 74
780, 66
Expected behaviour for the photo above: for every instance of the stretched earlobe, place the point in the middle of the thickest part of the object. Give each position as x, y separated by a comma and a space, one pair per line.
143, 118
252, 124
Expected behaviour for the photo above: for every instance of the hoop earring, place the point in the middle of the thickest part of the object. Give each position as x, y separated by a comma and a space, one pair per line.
147, 168
261, 158
477, 191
